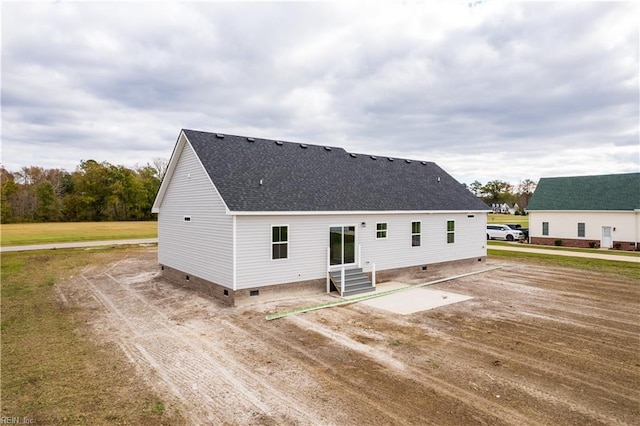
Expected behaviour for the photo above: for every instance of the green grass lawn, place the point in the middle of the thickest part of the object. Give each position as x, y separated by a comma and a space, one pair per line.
508, 219
583, 250
44, 233
53, 370
624, 269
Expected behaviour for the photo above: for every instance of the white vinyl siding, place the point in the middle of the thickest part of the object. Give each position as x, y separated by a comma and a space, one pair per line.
195, 233
308, 240
562, 224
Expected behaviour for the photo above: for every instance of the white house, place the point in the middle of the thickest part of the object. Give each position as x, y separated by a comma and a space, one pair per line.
587, 211
242, 217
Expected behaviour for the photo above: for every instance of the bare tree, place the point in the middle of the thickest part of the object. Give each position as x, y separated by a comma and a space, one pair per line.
160, 165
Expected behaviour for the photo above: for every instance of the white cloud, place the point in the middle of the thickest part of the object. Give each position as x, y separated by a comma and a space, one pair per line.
494, 91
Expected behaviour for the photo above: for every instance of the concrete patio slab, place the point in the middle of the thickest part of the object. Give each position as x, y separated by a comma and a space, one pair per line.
411, 301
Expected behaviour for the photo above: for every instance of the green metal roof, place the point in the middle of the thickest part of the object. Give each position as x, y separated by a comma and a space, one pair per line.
602, 192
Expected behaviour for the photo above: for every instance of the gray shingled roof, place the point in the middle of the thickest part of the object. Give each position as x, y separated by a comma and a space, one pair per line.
601, 192
301, 177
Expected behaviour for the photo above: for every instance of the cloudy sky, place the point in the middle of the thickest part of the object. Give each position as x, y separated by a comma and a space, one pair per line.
488, 90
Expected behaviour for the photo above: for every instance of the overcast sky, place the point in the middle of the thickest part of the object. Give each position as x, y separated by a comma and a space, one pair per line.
488, 90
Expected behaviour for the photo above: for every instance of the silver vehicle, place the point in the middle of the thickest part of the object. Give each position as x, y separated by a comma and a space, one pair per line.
503, 232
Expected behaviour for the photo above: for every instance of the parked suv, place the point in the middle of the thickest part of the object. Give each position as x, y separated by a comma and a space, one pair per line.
503, 232
525, 231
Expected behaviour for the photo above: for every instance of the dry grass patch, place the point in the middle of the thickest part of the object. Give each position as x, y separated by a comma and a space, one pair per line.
52, 370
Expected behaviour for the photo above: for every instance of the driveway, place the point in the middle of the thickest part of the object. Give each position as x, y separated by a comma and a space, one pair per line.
78, 244
570, 253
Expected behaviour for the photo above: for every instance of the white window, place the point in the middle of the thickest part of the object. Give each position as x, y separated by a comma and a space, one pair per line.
279, 242
415, 234
581, 229
381, 230
451, 231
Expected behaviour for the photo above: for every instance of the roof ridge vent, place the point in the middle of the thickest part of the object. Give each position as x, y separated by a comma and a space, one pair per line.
279, 143
352, 155
303, 146
424, 163
251, 139
390, 159
373, 157
408, 161
219, 136
327, 148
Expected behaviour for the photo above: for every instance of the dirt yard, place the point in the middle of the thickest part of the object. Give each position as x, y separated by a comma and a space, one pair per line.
535, 345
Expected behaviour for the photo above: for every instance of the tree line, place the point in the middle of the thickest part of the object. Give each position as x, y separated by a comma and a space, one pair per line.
106, 192
93, 192
501, 192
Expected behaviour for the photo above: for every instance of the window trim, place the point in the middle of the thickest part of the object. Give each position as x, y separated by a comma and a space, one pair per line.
416, 234
285, 243
451, 233
584, 229
385, 230
545, 229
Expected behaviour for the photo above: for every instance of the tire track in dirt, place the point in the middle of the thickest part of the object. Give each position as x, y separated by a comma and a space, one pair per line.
198, 367
463, 352
548, 279
488, 407
235, 372
571, 335
366, 404
620, 334
555, 371
131, 351
521, 337
356, 365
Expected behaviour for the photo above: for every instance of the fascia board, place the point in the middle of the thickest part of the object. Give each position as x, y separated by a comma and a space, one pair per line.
354, 212
581, 211
173, 161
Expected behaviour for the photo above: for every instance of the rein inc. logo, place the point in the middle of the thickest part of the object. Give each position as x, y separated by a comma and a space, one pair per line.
17, 420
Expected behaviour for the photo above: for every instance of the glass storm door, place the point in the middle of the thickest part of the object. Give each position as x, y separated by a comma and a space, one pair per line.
342, 243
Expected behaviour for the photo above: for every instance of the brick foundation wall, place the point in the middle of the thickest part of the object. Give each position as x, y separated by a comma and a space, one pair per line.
582, 243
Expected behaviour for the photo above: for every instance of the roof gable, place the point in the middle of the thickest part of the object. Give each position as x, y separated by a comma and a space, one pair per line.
260, 175
601, 192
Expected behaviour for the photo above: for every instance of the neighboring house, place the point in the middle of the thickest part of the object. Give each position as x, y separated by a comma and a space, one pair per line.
587, 211
504, 208
241, 217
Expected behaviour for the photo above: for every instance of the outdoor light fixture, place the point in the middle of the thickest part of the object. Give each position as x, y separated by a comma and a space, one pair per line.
363, 224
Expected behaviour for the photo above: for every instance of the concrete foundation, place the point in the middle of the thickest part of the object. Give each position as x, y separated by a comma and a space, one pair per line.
229, 297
